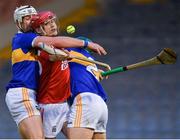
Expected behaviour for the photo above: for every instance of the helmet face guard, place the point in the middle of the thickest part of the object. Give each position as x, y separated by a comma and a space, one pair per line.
23, 11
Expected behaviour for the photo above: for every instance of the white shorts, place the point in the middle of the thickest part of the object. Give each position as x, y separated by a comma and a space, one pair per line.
22, 103
88, 111
53, 116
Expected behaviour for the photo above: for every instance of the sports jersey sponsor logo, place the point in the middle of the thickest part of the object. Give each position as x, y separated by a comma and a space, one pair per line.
64, 65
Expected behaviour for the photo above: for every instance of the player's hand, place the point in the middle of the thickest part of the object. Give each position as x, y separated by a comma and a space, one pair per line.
63, 57
100, 76
57, 57
97, 48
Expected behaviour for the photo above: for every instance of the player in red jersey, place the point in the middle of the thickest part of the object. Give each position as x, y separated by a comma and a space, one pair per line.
54, 84
54, 89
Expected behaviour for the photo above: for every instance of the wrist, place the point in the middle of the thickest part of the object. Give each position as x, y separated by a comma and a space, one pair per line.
86, 43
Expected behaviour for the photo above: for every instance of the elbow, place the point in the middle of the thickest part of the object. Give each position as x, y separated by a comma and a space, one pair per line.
44, 39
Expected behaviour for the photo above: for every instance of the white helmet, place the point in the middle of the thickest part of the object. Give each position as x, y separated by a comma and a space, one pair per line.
22, 11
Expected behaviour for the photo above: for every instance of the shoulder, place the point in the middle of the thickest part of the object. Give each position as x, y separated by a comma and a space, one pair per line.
25, 35
84, 38
28, 34
23, 40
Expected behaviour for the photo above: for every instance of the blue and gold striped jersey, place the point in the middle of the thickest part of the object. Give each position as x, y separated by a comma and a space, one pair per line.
25, 68
84, 75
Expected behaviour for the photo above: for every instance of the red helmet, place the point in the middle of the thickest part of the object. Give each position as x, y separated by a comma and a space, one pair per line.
40, 18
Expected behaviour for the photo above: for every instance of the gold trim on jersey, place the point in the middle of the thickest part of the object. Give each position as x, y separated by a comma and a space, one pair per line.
96, 74
92, 68
18, 56
79, 61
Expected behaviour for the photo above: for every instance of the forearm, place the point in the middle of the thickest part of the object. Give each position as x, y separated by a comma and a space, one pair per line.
68, 42
59, 42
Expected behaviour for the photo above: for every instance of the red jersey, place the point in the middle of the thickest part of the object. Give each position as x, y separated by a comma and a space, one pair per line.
54, 83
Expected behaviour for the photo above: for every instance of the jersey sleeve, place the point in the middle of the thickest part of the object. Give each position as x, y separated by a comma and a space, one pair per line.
26, 40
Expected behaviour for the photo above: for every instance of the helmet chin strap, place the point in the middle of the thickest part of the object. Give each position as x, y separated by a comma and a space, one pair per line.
44, 33
20, 27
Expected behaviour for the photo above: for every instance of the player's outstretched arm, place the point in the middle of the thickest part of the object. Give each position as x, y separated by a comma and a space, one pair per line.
69, 42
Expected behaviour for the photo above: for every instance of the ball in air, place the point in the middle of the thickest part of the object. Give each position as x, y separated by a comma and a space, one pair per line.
70, 29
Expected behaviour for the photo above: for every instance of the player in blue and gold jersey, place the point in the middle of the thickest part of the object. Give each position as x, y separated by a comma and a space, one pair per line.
88, 113
21, 90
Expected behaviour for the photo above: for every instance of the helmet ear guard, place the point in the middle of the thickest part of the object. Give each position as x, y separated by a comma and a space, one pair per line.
23, 11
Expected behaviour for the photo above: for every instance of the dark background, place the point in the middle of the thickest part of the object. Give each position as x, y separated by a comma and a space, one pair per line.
143, 103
